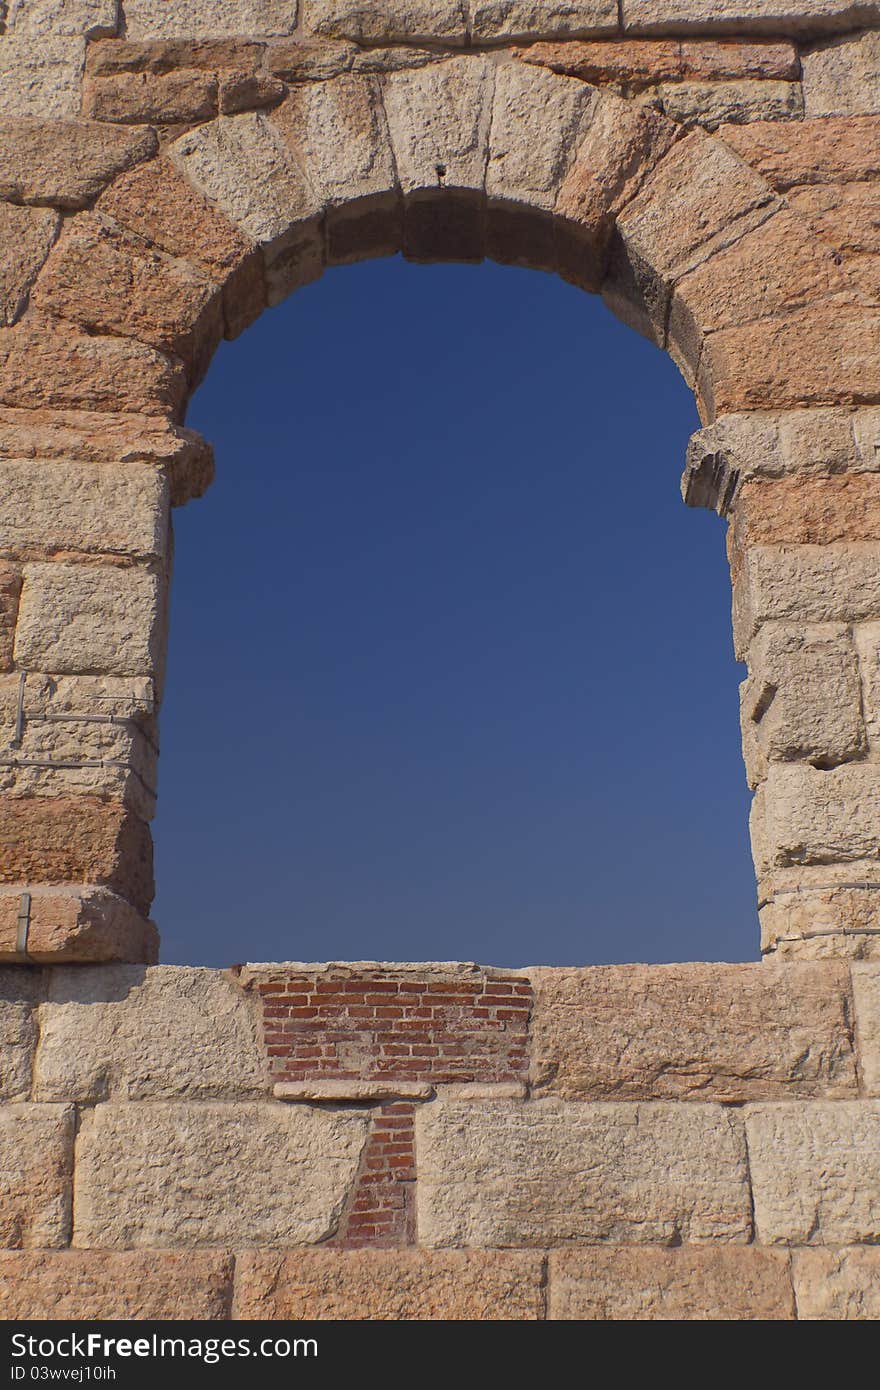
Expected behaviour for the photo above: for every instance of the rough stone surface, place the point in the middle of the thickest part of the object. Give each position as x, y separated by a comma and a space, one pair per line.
76, 840
152, 1177
165, 19
67, 162
711, 104
42, 19
389, 1285
20, 991
805, 583
837, 1285
81, 618
538, 120
76, 924
815, 1172
749, 16
36, 1144
40, 79
866, 994
807, 511
843, 78
26, 234
126, 1033
48, 367
669, 1285
545, 1172
438, 118
337, 132
94, 508
10, 593
408, 20
692, 1032
518, 19
813, 817
789, 154
95, 1286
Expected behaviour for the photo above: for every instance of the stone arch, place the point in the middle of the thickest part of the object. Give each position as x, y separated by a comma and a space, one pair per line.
144, 243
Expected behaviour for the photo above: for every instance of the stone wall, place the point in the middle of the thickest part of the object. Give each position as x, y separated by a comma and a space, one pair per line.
443, 1141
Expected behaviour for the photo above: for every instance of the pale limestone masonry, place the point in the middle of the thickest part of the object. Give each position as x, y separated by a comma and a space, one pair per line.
692, 1141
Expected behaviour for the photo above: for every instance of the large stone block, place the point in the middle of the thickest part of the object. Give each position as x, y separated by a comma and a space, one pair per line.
79, 923
40, 78
126, 1033
43, 19
10, 592
496, 20
36, 1148
26, 234
337, 132
808, 816
692, 1032
719, 1284
837, 1285
813, 912
815, 1172
45, 367
866, 994
542, 1172
711, 104
438, 118
834, 150
109, 282
81, 618
390, 20
80, 840
843, 78
21, 989
65, 163
802, 699
130, 1285
168, 19
538, 121
746, 16
804, 584
111, 509
162, 1175
807, 511
395, 1285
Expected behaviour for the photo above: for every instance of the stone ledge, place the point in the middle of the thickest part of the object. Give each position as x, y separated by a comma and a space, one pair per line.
351, 1090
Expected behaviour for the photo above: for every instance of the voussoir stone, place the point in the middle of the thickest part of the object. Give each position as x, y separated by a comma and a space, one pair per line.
129, 1033
81, 618
711, 1283
815, 1170
36, 1147
837, 1285
438, 118
843, 78
99, 1285
21, 989
26, 234
168, 19
65, 163
538, 121
337, 132
389, 1285
542, 1172
164, 1174
692, 1032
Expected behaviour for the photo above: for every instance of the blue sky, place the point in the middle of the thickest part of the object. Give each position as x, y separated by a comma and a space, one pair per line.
450, 673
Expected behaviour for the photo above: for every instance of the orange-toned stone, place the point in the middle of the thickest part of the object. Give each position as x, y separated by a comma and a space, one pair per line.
94, 1285
108, 281
45, 365
788, 153
10, 591
846, 215
245, 91
708, 61
807, 511
36, 1160
75, 925
389, 1285
146, 98
634, 64
65, 163
26, 234
107, 56
76, 840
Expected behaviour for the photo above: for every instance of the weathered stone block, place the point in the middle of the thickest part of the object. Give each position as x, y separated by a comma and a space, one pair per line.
815, 1172
843, 78
26, 234
126, 1033
834, 150
846, 215
81, 840
866, 994
96, 508
337, 132
36, 1148
814, 912
521, 19
746, 16
438, 118
391, 20
10, 593
166, 1174
45, 367
167, 19
802, 699
65, 163
542, 1172
396, 1285
814, 817
97, 1285
722, 1284
538, 121
628, 63
712, 61
692, 1032
75, 924
21, 989
804, 583
167, 98
40, 79
837, 1285
807, 511
81, 618
43, 19
711, 104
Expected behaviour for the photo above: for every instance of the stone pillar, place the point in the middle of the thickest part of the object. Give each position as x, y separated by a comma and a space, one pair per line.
802, 493
85, 556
